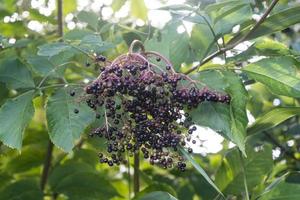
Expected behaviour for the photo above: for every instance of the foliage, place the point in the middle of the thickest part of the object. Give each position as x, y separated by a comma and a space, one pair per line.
38, 69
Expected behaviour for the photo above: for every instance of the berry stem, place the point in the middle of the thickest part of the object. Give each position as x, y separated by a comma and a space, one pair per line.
136, 175
47, 164
162, 57
135, 43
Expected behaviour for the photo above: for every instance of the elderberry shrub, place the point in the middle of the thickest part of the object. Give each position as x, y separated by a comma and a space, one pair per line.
143, 109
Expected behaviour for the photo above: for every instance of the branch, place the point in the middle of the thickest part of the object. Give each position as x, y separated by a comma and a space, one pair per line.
47, 162
223, 50
60, 18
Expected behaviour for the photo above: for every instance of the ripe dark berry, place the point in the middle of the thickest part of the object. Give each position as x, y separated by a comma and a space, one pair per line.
158, 59
76, 111
72, 93
100, 58
168, 67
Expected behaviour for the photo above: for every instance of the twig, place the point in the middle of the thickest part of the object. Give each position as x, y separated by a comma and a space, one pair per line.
136, 43
136, 175
223, 50
47, 164
60, 18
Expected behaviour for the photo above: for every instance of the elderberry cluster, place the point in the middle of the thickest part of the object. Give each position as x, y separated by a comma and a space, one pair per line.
145, 109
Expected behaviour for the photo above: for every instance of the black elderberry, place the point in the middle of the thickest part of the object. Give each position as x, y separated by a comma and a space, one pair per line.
72, 93
76, 111
100, 58
143, 110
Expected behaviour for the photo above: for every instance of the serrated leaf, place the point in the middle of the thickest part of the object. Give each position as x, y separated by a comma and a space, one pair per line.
15, 74
41, 65
163, 187
273, 23
176, 7
288, 188
172, 44
202, 40
139, 9
278, 74
263, 47
95, 43
86, 185
199, 169
228, 120
22, 189
4, 92
65, 170
90, 18
225, 15
15, 114
157, 196
230, 175
64, 125
238, 103
53, 49
77, 34
272, 118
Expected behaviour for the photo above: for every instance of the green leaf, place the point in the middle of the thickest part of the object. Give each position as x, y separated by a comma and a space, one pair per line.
139, 9
263, 47
225, 15
172, 44
238, 103
90, 18
80, 183
230, 121
272, 118
278, 74
53, 49
199, 169
64, 125
176, 7
15, 114
15, 74
42, 65
202, 40
288, 188
4, 92
65, 170
22, 189
230, 177
36, 15
163, 187
158, 196
215, 116
32, 156
93, 41
77, 34
273, 23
